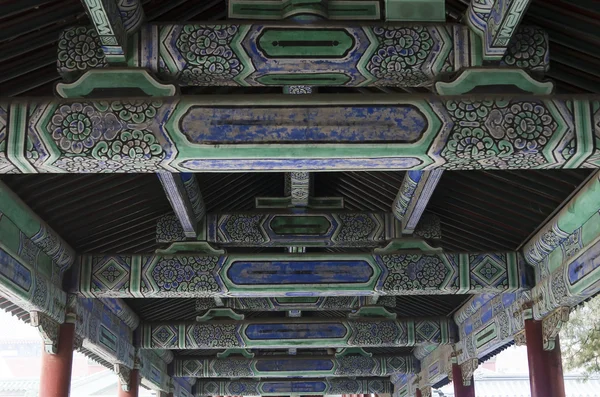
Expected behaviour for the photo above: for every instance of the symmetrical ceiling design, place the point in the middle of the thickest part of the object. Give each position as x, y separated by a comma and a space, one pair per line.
29, 31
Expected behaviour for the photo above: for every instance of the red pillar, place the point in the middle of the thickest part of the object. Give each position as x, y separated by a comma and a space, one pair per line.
55, 380
418, 393
460, 390
134, 385
545, 367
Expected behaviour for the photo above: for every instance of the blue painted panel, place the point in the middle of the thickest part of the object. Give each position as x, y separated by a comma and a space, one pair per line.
14, 271
299, 272
295, 331
294, 387
399, 124
584, 264
294, 365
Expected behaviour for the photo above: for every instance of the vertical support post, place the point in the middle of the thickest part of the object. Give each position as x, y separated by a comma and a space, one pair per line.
134, 385
460, 390
55, 380
418, 393
545, 367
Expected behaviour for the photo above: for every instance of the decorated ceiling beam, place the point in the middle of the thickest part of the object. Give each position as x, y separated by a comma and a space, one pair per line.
298, 188
496, 22
297, 332
205, 133
183, 193
311, 274
468, 309
251, 388
297, 366
492, 326
39, 243
285, 228
415, 192
109, 30
572, 228
389, 10
337, 303
271, 54
100, 331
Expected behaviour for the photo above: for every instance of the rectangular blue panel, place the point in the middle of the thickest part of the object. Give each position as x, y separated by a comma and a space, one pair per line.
295, 331
14, 271
294, 387
300, 272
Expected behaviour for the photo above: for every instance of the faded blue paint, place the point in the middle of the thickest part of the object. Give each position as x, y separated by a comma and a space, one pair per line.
400, 124
282, 365
584, 264
294, 387
295, 331
14, 271
299, 272
310, 164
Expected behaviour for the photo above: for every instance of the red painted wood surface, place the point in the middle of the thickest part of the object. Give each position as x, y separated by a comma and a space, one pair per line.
55, 379
134, 386
460, 390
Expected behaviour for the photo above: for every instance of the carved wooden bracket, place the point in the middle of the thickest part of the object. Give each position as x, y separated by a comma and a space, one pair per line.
521, 339
48, 329
468, 368
552, 324
124, 375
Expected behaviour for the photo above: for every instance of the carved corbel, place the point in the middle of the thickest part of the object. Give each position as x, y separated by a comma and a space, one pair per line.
468, 369
124, 375
552, 324
48, 328
521, 339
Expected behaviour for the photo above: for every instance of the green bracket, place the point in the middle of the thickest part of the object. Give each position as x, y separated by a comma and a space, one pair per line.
220, 313
235, 352
408, 244
372, 311
472, 78
197, 247
115, 78
352, 351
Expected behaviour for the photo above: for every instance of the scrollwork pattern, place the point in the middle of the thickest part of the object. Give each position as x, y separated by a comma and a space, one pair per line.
498, 134
401, 54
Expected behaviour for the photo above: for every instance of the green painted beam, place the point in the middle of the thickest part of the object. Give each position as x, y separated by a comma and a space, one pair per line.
287, 54
183, 193
297, 332
413, 196
296, 366
496, 23
210, 133
109, 30
194, 273
284, 228
335, 303
251, 388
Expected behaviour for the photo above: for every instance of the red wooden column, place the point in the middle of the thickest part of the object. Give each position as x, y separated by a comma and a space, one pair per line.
55, 380
460, 390
134, 385
545, 367
418, 393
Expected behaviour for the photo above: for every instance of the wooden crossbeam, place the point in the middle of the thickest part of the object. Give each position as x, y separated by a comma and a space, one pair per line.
205, 133
271, 54
413, 196
337, 303
183, 193
297, 366
309, 274
252, 388
496, 22
304, 332
288, 228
